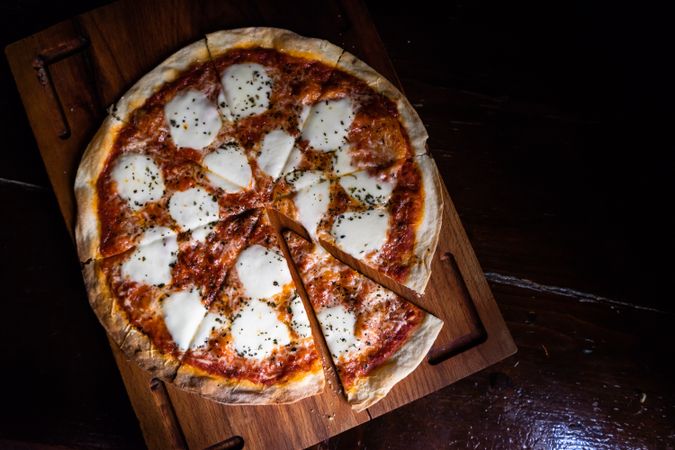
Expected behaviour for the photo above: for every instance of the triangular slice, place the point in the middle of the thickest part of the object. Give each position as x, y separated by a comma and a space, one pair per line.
360, 122
255, 345
151, 299
389, 219
375, 337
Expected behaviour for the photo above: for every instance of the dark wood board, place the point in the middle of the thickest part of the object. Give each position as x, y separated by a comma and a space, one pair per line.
68, 73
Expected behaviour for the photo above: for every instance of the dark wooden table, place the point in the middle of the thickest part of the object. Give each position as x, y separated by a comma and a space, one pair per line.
552, 127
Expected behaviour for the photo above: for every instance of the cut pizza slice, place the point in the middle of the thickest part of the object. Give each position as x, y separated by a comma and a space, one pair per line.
388, 219
270, 78
360, 122
375, 337
255, 345
151, 299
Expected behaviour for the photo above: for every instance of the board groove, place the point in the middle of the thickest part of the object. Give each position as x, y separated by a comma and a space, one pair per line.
474, 335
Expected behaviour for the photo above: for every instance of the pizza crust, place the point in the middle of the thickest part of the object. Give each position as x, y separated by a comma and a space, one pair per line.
169, 70
135, 344
417, 133
245, 392
274, 38
429, 228
373, 387
88, 229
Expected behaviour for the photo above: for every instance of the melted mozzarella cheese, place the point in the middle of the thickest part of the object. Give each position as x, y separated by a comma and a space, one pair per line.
300, 321
200, 234
292, 162
262, 272
152, 263
338, 326
359, 233
211, 322
304, 114
219, 182
342, 162
223, 107
328, 124
312, 204
183, 312
138, 179
193, 207
274, 150
230, 162
153, 234
193, 119
256, 330
248, 88
367, 189
301, 179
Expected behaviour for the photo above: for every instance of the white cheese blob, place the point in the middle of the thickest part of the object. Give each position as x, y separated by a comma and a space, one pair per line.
338, 326
211, 322
359, 233
367, 189
248, 88
342, 161
194, 121
230, 162
200, 234
300, 321
193, 207
219, 182
223, 107
138, 179
312, 204
301, 179
292, 162
153, 234
262, 272
183, 312
257, 331
328, 124
152, 263
274, 150
304, 114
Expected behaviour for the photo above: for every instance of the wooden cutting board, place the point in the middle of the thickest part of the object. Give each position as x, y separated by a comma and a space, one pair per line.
70, 72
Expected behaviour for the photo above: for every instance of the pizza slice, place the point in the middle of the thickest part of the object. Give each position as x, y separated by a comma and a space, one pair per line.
389, 219
151, 299
375, 337
360, 122
270, 79
255, 345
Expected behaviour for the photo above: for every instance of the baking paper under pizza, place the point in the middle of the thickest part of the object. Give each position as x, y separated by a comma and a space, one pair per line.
182, 263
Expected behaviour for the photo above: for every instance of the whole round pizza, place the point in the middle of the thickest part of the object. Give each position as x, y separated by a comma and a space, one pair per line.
179, 197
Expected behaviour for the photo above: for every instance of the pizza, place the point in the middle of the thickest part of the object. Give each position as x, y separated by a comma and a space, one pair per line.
375, 337
184, 262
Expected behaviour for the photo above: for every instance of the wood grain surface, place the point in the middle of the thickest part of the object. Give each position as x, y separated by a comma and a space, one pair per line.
83, 64
547, 125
